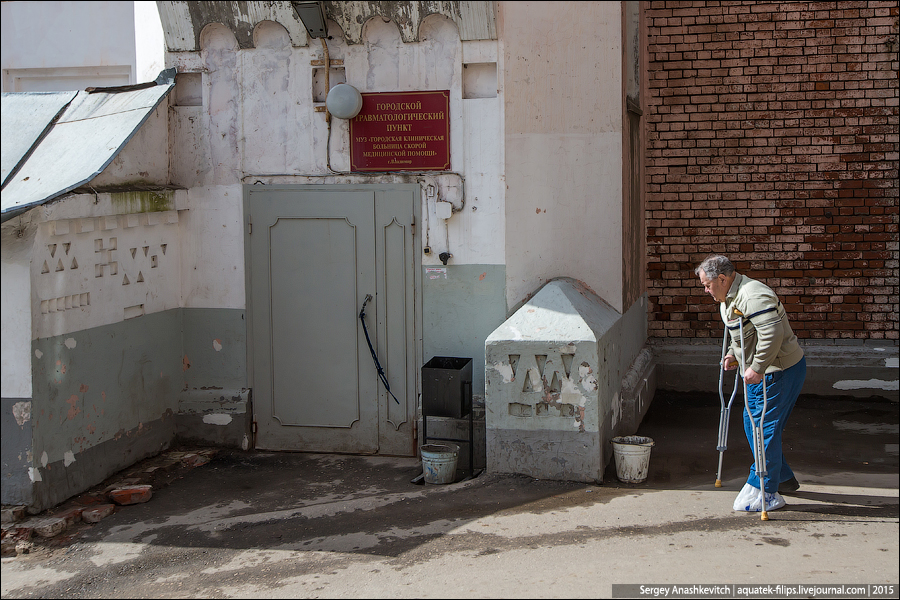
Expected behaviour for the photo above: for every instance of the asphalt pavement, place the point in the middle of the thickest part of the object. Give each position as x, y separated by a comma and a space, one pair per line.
294, 525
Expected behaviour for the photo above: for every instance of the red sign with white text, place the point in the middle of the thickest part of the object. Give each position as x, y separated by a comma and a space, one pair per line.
401, 131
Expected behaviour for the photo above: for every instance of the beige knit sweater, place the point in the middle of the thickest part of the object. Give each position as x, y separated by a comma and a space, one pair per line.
769, 341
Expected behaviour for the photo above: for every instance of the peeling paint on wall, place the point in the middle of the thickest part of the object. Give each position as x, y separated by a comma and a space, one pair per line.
73, 409
217, 419
184, 22
70, 343
22, 412
571, 394
588, 380
217, 345
506, 371
68, 458
34, 474
858, 384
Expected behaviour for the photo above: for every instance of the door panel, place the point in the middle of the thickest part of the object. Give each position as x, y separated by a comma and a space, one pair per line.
315, 252
314, 343
395, 267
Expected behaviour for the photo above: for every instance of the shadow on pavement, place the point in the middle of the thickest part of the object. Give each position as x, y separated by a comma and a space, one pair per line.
345, 503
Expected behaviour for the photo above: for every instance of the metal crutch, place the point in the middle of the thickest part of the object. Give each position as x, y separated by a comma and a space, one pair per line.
759, 448
725, 412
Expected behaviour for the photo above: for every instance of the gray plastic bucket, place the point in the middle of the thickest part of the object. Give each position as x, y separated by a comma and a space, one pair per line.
632, 455
439, 462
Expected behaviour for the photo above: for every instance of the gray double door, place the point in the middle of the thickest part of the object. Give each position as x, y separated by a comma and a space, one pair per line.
314, 254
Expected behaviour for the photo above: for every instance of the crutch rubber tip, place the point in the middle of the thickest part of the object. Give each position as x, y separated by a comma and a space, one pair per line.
718, 483
764, 516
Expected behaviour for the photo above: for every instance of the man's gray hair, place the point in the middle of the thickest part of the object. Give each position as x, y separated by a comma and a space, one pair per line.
715, 266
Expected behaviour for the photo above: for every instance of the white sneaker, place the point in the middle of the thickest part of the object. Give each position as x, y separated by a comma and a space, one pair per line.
748, 500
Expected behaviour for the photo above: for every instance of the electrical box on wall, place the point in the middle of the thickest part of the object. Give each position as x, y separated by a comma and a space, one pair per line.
443, 210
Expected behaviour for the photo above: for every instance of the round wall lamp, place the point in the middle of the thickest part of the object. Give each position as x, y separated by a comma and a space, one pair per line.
344, 101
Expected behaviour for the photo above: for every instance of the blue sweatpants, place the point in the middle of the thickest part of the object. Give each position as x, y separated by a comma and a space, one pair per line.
782, 390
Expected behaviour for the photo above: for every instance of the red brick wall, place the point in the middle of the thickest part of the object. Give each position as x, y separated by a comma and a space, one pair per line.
773, 139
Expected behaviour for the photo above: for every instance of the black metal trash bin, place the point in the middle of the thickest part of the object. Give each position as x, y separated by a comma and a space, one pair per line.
447, 387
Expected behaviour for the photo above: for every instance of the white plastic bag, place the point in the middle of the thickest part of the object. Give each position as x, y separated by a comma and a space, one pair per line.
748, 500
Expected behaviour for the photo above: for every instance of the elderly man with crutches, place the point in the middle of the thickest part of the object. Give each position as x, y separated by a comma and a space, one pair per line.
773, 369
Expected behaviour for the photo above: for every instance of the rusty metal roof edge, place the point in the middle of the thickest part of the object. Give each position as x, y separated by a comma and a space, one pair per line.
166, 77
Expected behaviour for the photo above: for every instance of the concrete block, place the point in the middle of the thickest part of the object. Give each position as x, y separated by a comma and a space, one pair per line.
194, 460
131, 481
13, 514
19, 531
132, 494
553, 373
15, 540
97, 513
71, 516
8, 547
169, 464
92, 499
49, 527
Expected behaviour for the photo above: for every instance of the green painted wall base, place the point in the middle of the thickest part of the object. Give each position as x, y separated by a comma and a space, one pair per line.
217, 417
15, 421
107, 397
462, 305
91, 466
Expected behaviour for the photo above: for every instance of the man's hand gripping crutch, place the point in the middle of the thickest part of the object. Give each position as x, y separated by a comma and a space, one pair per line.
759, 447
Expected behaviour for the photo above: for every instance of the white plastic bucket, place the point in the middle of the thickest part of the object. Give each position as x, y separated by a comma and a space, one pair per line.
439, 462
632, 455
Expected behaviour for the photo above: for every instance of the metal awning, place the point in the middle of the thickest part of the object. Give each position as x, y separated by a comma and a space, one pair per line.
55, 142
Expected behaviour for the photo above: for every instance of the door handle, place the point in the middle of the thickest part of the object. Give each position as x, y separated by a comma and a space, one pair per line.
381, 374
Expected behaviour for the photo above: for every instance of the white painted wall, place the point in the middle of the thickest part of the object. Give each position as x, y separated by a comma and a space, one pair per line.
256, 122
17, 239
145, 158
67, 46
559, 152
92, 265
212, 236
563, 137
55, 46
478, 231
149, 41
